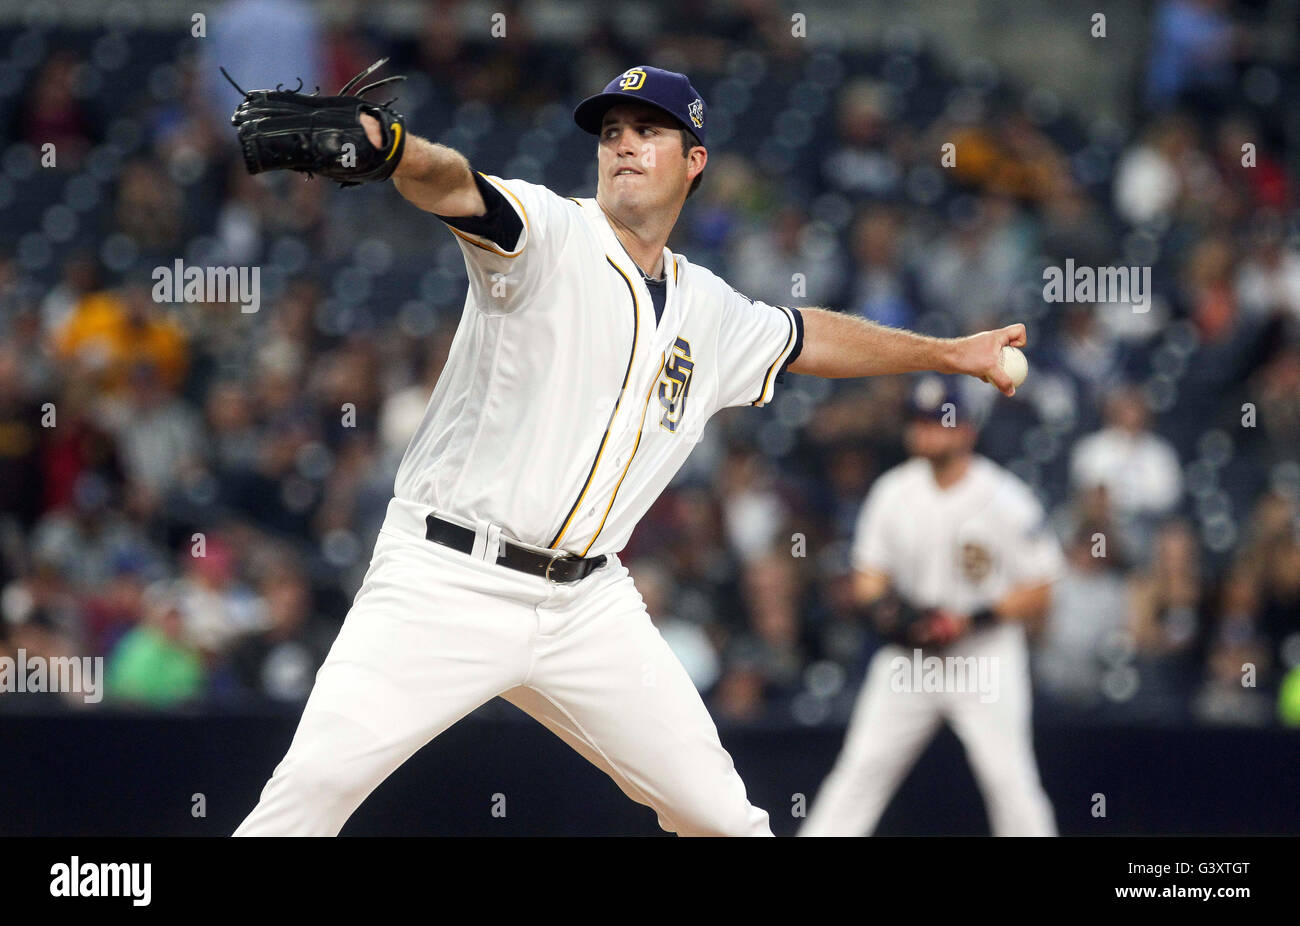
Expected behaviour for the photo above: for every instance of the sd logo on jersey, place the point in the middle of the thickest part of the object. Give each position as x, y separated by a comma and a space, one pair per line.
976, 561
675, 384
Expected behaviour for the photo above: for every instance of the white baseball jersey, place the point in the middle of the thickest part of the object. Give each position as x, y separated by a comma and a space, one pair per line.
960, 548
564, 409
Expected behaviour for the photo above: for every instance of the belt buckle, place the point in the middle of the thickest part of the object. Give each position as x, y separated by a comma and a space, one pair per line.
547, 574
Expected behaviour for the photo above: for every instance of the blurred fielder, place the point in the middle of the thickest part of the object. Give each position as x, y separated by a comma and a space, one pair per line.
953, 556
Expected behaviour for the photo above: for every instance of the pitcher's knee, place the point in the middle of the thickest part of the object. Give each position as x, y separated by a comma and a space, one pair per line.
721, 816
326, 785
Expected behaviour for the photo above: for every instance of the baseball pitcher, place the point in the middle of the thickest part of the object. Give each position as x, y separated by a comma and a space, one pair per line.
952, 557
587, 360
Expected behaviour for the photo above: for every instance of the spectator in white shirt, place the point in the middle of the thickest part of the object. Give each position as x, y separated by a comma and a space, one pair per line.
1138, 469
1268, 280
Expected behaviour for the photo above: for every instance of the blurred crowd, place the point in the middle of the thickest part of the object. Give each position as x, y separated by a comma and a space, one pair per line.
192, 492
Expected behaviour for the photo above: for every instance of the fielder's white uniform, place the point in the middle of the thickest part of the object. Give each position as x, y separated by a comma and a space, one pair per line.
563, 411
961, 549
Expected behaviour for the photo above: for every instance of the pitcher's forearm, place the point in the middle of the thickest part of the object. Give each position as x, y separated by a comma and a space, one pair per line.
437, 179
837, 346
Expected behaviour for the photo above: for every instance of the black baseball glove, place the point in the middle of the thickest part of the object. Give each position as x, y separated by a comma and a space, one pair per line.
899, 621
288, 130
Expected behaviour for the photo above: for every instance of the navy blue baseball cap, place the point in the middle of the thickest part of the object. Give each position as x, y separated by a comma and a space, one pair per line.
666, 90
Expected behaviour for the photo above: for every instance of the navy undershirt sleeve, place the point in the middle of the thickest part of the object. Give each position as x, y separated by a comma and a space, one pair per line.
500, 224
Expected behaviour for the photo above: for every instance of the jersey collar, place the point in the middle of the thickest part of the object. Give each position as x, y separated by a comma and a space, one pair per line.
623, 260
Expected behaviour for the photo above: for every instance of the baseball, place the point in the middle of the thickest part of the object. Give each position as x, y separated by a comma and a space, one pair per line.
1013, 361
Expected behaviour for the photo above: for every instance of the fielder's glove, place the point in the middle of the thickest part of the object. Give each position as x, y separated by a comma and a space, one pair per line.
899, 621
312, 134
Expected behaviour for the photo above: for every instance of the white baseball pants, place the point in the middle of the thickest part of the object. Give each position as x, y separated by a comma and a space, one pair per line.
890, 728
433, 633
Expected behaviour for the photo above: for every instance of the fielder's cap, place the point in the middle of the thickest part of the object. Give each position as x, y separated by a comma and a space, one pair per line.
667, 90
933, 397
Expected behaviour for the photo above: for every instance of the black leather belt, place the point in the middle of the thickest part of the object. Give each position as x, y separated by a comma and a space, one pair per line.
561, 567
